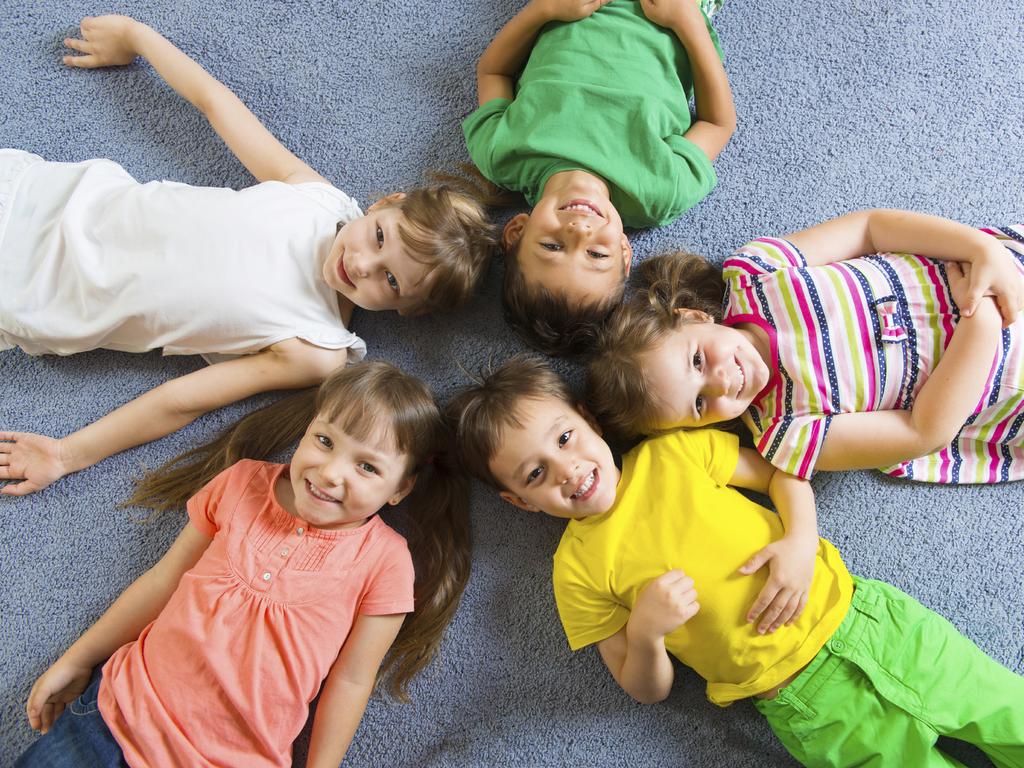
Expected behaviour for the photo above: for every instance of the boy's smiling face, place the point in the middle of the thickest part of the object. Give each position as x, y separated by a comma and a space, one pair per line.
555, 462
572, 242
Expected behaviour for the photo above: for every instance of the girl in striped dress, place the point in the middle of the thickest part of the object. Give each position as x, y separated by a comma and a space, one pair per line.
838, 347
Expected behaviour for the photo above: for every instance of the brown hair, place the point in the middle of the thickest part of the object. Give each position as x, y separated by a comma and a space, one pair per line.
446, 228
617, 388
360, 399
480, 413
547, 320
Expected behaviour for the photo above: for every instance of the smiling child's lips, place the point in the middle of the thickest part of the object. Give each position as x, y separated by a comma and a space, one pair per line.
593, 486
343, 274
593, 209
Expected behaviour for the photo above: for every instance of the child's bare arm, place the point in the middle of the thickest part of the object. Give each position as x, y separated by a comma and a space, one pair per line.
790, 560
945, 402
38, 461
715, 121
348, 687
881, 230
117, 40
123, 621
502, 60
636, 655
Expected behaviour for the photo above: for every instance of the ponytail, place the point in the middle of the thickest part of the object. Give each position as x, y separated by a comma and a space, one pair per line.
439, 540
259, 435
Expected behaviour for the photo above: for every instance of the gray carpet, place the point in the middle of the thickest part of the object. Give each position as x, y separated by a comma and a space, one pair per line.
842, 104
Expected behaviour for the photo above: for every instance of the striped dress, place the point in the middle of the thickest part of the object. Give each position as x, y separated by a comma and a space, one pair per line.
864, 335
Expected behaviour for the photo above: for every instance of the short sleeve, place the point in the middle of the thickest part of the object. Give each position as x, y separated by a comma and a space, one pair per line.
390, 587
479, 130
761, 257
331, 198
588, 615
792, 443
695, 176
209, 508
715, 452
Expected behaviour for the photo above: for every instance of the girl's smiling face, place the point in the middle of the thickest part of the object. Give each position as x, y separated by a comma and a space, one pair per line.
703, 373
339, 482
371, 267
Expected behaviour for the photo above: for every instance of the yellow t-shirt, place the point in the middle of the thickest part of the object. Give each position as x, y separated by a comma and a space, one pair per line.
674, 509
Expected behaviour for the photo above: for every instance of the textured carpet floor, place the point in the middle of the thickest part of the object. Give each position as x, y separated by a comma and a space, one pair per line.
842, 104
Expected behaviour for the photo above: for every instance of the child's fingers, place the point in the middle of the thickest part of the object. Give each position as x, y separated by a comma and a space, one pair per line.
801, 604
772, 613
764, 599
81, 61
754, 564
75, 44
24, 488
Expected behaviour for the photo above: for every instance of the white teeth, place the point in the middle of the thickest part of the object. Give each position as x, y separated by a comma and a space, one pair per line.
582, 208
743, 379
587, 484
317, 493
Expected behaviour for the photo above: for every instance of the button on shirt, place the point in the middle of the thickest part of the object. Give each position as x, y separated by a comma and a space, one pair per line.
260, 620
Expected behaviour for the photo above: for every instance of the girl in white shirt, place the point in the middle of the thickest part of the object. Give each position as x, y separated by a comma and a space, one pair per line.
262, 282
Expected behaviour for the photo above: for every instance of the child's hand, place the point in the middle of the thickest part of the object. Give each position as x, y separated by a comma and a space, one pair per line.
568, 10
674, 14
106, 42
36, 460
61, 684
993, 275
664, 605
791, 568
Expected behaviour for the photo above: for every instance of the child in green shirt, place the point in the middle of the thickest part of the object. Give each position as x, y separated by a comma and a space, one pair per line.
847, 671
596, 132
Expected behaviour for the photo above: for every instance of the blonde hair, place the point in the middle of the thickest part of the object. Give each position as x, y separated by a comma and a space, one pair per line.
617, 390
446, 227
481, 413
361, 399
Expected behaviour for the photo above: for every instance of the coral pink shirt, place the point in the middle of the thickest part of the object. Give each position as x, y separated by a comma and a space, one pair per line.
225, 674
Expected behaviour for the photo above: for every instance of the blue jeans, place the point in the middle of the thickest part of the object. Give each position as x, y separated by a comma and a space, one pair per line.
78, 739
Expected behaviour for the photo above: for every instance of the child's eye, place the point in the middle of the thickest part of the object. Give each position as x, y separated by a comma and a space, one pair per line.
699, 403
380, 237
698, 360
564, 438
392, 281
325, 441
598, 255
368, 467
534, 474
551, 246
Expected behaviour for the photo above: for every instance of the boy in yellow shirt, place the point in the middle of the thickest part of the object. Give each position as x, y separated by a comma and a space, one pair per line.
846, 670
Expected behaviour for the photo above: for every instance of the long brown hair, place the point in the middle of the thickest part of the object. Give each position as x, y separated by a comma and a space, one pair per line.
617, 390
360, 398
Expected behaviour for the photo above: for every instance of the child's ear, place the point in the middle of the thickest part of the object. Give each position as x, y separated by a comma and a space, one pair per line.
694, 315
403, 490
627, 254
518, 501
391, 199
513, 231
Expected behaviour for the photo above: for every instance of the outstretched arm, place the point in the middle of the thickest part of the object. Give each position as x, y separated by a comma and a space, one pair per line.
945, 402
500, 63
715, 120
636, 654
116, 40
137, 606
348, 687
37, 460
881, 230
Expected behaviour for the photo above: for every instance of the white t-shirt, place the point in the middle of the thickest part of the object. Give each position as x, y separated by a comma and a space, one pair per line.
90, 258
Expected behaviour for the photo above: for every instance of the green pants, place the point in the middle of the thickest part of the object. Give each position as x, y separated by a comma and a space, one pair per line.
893, 678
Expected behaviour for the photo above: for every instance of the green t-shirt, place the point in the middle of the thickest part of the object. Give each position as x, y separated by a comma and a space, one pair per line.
608, 94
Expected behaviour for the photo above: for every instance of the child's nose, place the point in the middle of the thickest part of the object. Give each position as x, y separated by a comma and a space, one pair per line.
333, 474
